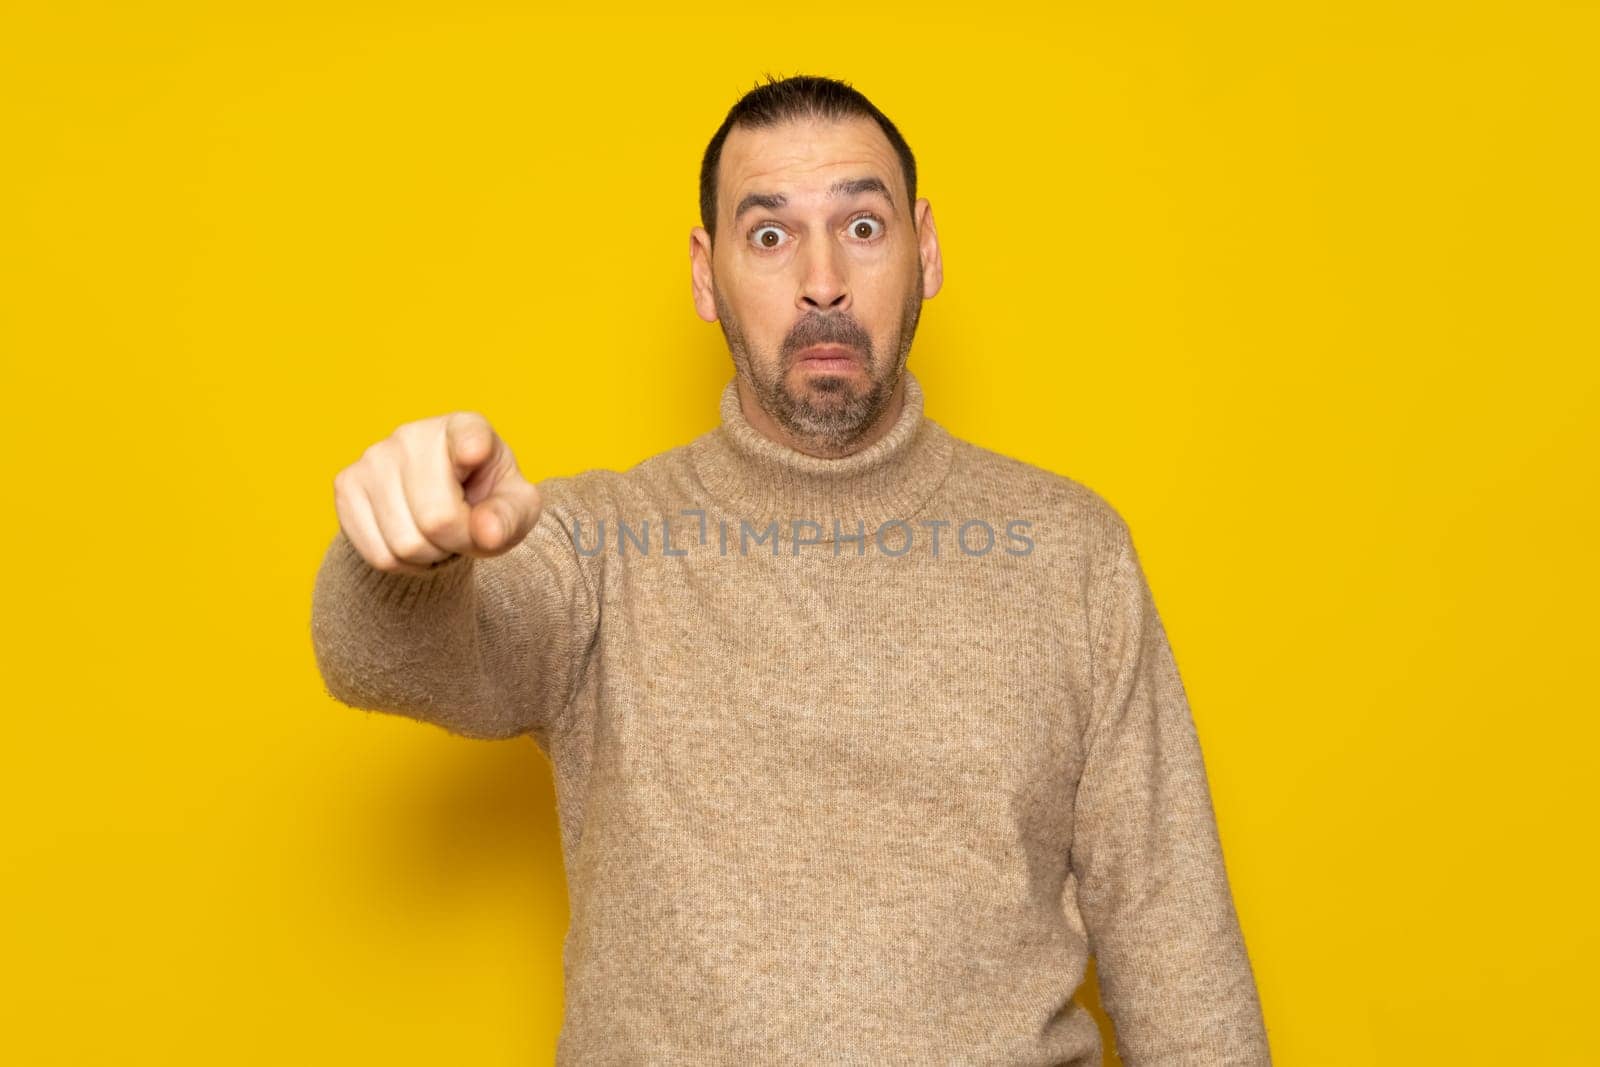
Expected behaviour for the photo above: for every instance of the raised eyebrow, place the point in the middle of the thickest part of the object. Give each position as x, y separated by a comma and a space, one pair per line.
842, 187
770, 201
856, 186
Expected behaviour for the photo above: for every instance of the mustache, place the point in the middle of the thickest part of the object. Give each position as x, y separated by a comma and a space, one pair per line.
826, 329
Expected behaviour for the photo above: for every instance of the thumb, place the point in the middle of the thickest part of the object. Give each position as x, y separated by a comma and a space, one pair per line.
502, 519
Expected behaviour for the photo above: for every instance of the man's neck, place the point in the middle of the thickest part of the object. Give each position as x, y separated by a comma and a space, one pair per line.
758, 418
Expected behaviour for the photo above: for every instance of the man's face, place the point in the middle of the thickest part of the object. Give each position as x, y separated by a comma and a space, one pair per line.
818, 275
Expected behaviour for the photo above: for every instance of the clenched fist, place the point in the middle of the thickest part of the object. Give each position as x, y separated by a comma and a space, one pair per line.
433, 489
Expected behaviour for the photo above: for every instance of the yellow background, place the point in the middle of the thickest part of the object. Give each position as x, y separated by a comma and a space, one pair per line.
1308, 291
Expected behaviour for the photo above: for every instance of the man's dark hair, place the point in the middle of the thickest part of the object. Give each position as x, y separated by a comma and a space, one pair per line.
780, 100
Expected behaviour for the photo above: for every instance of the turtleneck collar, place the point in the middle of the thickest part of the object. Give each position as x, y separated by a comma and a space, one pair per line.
758, 480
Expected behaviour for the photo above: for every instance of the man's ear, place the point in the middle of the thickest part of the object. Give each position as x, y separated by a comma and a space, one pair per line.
928, 247
700, 280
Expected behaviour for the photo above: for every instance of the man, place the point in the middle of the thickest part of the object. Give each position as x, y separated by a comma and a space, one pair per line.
864, 736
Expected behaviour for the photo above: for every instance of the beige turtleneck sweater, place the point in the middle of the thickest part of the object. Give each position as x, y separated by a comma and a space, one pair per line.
865, 799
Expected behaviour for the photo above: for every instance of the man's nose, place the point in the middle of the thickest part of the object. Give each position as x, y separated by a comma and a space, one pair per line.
824, 286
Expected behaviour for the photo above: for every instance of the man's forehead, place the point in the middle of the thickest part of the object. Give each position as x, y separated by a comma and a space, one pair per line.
805, 154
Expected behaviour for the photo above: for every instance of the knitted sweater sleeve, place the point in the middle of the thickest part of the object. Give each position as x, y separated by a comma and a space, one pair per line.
1171, 962
486, 648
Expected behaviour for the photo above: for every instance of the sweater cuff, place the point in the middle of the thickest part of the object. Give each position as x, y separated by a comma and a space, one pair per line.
400, 590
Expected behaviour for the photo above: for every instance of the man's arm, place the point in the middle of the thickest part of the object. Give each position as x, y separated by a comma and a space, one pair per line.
483, 647
1152, 888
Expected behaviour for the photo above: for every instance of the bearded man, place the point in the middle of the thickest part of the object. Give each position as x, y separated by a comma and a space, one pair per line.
864, 736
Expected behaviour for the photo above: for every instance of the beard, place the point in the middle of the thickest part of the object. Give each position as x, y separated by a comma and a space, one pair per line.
828, 413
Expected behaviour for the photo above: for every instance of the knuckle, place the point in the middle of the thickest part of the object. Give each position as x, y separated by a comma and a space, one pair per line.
432, 519
409, 546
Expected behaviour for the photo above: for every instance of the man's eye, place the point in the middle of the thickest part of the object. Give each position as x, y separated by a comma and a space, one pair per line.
866, 227
767, 236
